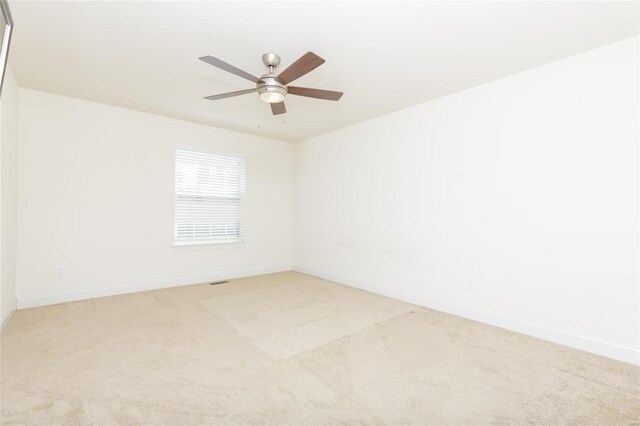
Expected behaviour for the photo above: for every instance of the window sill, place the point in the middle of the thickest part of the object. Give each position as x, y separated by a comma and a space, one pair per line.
207, 244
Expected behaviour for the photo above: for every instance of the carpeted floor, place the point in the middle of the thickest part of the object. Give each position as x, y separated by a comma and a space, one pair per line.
293, 349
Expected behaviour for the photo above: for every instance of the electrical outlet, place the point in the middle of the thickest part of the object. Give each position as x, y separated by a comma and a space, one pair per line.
470, 285
59, 271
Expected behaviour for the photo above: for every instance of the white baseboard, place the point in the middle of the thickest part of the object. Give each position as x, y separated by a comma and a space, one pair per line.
597, 346
7, 318
53, 299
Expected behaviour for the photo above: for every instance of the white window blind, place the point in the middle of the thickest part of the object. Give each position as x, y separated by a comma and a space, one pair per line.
209, 197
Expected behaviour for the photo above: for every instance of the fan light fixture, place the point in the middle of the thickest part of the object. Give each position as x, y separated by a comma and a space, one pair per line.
272, 94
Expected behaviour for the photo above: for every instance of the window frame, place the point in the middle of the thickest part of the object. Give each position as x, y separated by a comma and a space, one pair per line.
203, 243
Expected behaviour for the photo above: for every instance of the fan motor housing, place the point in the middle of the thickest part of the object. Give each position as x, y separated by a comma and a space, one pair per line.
269, 84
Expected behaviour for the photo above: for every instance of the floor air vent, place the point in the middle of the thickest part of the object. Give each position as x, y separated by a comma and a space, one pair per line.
218, 282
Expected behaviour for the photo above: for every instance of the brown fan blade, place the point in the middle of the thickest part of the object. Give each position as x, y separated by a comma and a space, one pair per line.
230, 94
306, 63
229, 68
328, 95
278, 108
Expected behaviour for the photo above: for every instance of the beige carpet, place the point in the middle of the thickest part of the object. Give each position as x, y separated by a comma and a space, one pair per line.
293, 349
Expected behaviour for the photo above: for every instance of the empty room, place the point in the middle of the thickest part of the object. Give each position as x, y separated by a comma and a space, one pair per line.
320, 213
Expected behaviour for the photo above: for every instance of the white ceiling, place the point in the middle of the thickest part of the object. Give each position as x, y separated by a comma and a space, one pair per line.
384, 56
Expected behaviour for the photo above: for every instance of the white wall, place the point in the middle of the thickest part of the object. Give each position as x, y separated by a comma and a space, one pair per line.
96, 189
526, 186
8, 195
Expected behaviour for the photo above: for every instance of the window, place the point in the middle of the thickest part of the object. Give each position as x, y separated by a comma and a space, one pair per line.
209, 197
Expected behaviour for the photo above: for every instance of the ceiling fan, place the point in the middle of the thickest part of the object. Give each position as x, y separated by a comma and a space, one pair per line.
273, 88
